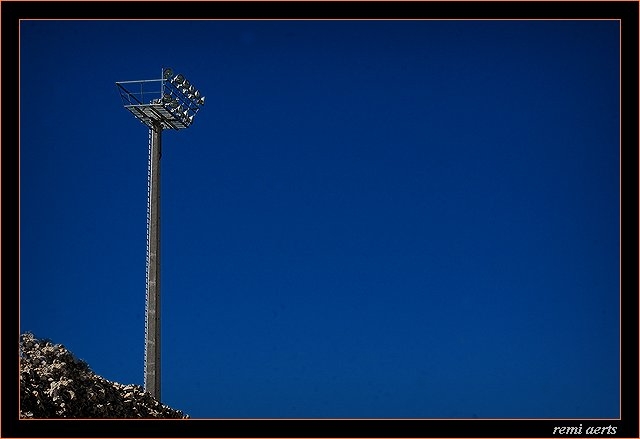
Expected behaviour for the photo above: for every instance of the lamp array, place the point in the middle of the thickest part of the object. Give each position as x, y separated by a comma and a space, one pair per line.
173, 106
180, 97
178, 109
183, 85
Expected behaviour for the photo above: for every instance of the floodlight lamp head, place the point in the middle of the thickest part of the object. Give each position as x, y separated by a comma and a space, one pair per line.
178, 79
201, 100
167, 73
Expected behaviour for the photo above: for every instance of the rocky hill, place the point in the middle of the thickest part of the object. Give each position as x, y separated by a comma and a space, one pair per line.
56, 384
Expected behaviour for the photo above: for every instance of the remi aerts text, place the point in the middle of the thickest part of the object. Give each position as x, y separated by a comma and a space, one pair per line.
588, 430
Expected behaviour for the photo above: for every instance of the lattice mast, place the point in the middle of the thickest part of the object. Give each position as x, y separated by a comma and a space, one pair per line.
167, 103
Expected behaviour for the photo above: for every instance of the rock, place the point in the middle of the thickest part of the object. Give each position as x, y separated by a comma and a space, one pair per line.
56, 384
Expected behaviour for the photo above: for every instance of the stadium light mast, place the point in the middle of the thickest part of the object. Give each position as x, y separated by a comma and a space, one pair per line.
170, 102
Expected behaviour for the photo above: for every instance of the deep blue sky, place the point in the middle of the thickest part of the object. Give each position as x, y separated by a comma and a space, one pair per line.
367, 219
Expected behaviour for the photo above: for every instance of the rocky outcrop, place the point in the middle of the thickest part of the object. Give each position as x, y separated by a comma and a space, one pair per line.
56, 384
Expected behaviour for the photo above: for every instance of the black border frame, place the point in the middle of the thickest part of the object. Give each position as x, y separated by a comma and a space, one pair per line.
13, 11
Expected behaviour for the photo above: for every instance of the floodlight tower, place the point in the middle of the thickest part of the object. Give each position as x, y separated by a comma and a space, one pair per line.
170, 102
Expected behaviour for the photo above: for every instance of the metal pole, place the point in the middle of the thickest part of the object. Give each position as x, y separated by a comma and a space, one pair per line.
152, 351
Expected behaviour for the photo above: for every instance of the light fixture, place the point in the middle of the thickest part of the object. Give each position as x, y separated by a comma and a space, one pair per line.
187, 120
159, 108
179, 79
178, 100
